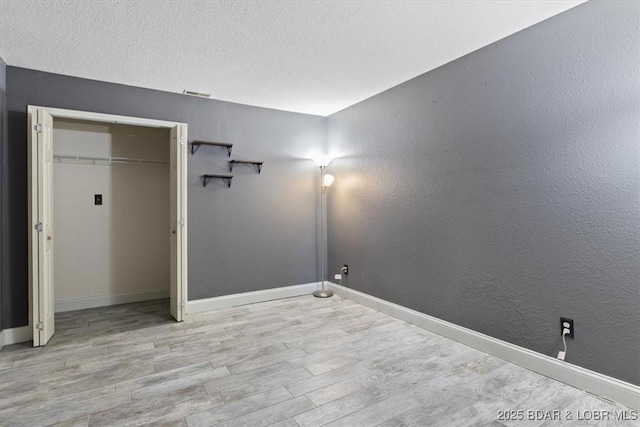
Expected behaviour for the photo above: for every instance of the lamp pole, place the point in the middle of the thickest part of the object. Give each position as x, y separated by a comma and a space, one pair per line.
322, 293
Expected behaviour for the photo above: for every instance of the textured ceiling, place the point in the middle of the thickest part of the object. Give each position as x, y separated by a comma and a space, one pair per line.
307, 56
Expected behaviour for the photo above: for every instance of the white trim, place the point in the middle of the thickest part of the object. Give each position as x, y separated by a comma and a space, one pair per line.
1, 339
16, 335
24, 333
34, 316
198, 306
584, 379
108, 118
106, 300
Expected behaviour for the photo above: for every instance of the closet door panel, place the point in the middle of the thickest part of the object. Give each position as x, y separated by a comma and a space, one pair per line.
41, 258
178, 221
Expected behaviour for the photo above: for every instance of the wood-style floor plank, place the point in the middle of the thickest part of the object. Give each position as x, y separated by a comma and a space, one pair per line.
296, 362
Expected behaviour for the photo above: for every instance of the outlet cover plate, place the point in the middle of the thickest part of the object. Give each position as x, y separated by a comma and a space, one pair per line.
562, 327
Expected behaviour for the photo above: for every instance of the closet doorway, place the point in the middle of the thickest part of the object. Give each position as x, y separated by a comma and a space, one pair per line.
42, 199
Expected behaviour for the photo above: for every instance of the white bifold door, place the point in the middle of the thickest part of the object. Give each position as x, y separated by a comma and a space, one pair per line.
41, 241
178, 216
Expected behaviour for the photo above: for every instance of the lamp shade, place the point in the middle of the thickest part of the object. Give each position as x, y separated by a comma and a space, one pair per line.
322, 159
328, 180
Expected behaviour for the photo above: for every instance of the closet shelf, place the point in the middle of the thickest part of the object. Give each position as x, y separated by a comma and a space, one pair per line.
254, 163
196, 144
226, 178
64, 158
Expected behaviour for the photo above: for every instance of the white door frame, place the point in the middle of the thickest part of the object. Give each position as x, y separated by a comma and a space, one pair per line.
58, 113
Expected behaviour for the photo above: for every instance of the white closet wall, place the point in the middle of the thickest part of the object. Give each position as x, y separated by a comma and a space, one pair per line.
122, 247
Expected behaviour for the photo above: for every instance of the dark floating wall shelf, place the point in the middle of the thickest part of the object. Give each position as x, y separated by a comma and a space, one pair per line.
253, 163
196, 144
206, 178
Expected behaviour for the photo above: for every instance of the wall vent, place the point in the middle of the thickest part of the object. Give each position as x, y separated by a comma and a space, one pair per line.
194, 93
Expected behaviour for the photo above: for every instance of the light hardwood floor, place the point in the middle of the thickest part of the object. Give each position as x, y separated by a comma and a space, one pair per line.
294, 362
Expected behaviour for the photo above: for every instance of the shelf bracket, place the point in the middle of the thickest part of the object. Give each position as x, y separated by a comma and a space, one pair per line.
225, 178
193, 147
257, 165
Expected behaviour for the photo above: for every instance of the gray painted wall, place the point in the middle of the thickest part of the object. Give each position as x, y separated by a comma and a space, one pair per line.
501, 191
3, 133
259, 234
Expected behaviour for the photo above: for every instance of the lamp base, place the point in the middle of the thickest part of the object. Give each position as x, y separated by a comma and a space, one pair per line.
323, 293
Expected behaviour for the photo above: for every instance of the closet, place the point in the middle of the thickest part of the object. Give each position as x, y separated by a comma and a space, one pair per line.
108, 204
110, 214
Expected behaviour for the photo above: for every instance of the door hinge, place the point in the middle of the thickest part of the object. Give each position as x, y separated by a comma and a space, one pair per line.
38, 227
38, 128
181, 222
182, 140
182, 305
39, 326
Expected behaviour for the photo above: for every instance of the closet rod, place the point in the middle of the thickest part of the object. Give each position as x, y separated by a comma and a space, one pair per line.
106, 160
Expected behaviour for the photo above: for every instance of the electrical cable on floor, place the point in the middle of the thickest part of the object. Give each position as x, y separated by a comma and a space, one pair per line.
562, 354
342, 271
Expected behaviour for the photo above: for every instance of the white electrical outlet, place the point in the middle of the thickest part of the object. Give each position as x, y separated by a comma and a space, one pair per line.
338, 277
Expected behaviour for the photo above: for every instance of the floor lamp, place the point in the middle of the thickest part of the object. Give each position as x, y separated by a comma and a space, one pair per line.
325, 182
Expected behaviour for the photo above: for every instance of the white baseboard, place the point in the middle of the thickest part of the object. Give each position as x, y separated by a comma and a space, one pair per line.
24, 333
16, 335
1, 339
584, 379
106, 300
200, 305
